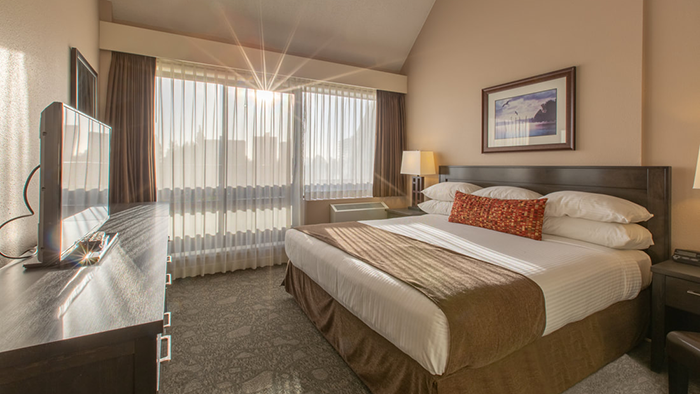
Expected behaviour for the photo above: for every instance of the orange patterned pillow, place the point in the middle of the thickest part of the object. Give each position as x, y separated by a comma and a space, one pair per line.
517, 217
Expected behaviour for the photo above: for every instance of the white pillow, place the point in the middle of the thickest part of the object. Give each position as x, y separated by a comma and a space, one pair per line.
437, 207
446, 191
612, 235
508, 193
593, 206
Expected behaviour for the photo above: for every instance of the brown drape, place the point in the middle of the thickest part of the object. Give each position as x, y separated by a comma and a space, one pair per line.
389, 145
130, 112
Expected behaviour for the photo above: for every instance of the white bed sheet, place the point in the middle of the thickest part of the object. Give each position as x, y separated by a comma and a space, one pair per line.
577, 279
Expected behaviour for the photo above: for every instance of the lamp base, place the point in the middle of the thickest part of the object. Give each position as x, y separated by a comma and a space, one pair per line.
416, 189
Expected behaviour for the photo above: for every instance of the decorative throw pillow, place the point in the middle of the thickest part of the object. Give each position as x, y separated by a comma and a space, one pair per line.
517, 217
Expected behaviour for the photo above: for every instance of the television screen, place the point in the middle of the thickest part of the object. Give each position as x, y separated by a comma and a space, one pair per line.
75, 155
84, 176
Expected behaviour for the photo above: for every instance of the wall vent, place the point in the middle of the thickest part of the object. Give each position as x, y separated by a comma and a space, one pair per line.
358, 211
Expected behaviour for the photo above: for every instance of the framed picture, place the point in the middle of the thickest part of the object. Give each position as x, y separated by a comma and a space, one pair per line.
531, 114
83, 84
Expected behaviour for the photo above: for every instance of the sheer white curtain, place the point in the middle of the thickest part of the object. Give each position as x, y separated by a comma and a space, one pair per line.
339, 139
227, 166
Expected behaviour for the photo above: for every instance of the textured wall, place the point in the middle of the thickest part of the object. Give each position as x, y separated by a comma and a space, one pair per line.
35, 41
672, 106
466, 46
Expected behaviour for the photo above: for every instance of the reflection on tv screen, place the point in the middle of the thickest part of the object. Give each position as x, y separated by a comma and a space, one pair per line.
84, 176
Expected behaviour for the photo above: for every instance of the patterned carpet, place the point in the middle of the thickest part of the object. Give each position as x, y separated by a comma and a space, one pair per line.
242, 333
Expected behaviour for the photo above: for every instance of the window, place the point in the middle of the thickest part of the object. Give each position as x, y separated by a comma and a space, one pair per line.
339, 139
230, 162
225, 164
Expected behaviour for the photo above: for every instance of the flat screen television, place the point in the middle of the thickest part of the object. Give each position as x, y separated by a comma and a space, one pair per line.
75, 156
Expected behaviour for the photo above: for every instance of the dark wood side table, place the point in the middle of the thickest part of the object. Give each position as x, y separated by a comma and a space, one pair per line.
403, 212
674, 285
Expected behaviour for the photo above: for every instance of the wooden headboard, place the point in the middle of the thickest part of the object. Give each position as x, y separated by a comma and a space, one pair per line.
646, 186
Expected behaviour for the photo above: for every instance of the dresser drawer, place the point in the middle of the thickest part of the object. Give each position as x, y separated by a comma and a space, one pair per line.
683, 294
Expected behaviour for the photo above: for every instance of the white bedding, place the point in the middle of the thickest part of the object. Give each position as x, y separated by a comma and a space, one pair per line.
577, 279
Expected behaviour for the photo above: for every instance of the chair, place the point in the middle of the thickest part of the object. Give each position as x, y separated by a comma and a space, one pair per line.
683, 349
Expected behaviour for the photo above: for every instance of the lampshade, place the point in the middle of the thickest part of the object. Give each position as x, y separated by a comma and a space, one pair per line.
415, 162
696, 184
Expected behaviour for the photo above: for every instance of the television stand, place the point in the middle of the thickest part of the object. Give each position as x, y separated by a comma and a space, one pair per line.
95, 328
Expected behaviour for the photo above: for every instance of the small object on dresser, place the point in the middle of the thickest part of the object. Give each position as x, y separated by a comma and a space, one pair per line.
95, 240
686, 257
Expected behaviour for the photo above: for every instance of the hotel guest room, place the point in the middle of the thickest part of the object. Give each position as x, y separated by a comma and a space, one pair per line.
308, 196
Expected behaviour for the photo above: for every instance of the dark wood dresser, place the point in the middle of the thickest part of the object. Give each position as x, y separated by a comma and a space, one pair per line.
92, 329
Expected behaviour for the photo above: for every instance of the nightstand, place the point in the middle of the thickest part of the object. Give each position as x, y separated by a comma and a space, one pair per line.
399, 213
674, 285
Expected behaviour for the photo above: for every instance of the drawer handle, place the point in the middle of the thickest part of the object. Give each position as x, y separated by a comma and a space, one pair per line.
169, 259
168, 356
166, 325
695, 293
168, 279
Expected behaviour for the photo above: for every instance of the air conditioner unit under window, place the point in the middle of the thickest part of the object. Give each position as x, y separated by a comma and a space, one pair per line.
358, 211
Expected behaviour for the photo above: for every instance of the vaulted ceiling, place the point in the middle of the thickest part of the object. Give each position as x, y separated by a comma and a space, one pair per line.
376, 34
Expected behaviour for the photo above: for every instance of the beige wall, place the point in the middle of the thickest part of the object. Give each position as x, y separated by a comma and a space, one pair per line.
466, 46
105, 8
35, 41
619, 48
672, 106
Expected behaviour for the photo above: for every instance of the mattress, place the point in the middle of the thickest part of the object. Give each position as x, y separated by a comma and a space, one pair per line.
576, 278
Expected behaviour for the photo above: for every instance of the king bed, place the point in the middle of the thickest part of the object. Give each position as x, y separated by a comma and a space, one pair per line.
538, 316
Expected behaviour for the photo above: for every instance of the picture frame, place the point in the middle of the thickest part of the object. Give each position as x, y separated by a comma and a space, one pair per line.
83, 84
531, 114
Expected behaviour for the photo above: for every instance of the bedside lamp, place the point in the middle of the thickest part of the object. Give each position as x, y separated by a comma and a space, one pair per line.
417, 163
696, 184
690, 256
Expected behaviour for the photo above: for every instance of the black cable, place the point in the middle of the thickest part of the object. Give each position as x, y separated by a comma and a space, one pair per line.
26, 203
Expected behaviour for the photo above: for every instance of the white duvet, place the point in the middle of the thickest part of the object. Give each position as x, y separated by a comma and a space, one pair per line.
577, 279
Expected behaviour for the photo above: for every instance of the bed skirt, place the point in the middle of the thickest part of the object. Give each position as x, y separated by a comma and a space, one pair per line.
549, 365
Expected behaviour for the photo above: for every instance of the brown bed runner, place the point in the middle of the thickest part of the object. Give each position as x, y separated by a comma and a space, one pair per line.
491, 311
